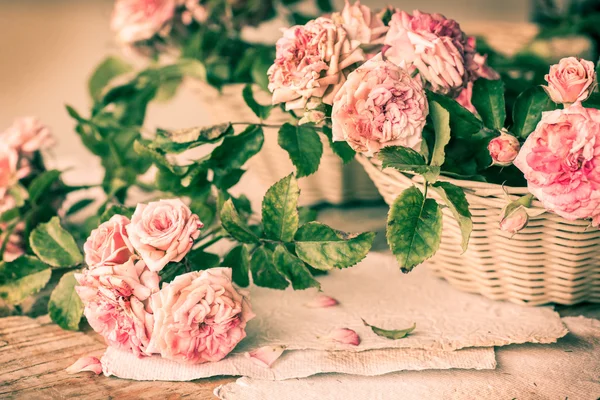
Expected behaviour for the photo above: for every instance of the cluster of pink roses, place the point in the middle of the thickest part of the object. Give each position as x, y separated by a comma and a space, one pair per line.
18, 146
375, 75
198, 317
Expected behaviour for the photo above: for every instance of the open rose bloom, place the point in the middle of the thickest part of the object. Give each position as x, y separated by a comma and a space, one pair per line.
199, 317
380, 105
138, 20
561, 160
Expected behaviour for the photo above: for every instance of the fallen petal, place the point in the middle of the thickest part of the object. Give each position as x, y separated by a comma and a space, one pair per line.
344, 335
85, 364
265, 356
322, 301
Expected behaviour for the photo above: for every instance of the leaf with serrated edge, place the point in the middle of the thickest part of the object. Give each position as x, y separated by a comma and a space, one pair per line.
304, 147
393, 334
156, 157
455, 199
232, 222
264, 272
42, 183
54, 245
528, 109
294, 268
441, 124
234, 151
280, 210
340, 148
488, 99
19, 268
414, 228
238, 259
463, 123
261, 111
404, 159
65, 306
180, 140
324, 248
14, 292
108, 69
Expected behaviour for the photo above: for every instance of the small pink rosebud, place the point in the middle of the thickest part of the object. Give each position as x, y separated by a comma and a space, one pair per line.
344, 335
504, 149
515, 220
86, 363
322, 301
266, 355
312, 116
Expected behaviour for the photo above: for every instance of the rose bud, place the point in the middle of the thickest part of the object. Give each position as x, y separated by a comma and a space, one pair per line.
504, 149
516, 220
571, 80
312, 116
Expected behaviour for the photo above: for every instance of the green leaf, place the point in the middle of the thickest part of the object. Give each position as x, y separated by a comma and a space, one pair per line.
454, 197
108, 69
528, 109
393, 334
264, 272
236, 150
340, 148
488, 99
180, 140
294, 269
307, 214
54, 245
78, 206
15, 291
324, 248
463, 123
304, 147
192, 68
405, 159
262, 112
19, 194
593, 101
441, 124
10, 215
414, 228
280, 210
65, 306
19, 268
233, 223
238, 259
157, 157
114, 210
228, 178
199, 260
42, 183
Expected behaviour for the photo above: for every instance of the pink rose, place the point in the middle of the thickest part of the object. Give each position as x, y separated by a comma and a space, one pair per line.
139, 20
15, 246
163, 231
199, 317
27, 135
561, 162
571, 80
379, 105
311, 61
432, 44
361, 24
504, 149
108, 244
514, 221
115, 300
11, 169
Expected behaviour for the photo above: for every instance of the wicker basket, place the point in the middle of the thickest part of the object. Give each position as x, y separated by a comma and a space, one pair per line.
551, 261
333, 183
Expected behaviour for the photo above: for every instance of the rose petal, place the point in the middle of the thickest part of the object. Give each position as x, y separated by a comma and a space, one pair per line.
322, 301
265, 356
345, 336
85, 363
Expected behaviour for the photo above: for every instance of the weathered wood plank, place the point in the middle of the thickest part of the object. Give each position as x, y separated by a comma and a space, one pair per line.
35, 352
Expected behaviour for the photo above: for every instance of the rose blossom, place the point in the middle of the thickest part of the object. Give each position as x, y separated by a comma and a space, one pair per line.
504, 149
379, 105
15, 246
10, 169
515, 220
114, 298
138, 20
199, 317
108, 244
571, 80
432, 44
360, 23
27, 135
311, 61
561, 160
163, 231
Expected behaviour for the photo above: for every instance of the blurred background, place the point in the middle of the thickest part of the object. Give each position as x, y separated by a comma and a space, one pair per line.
50, 47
